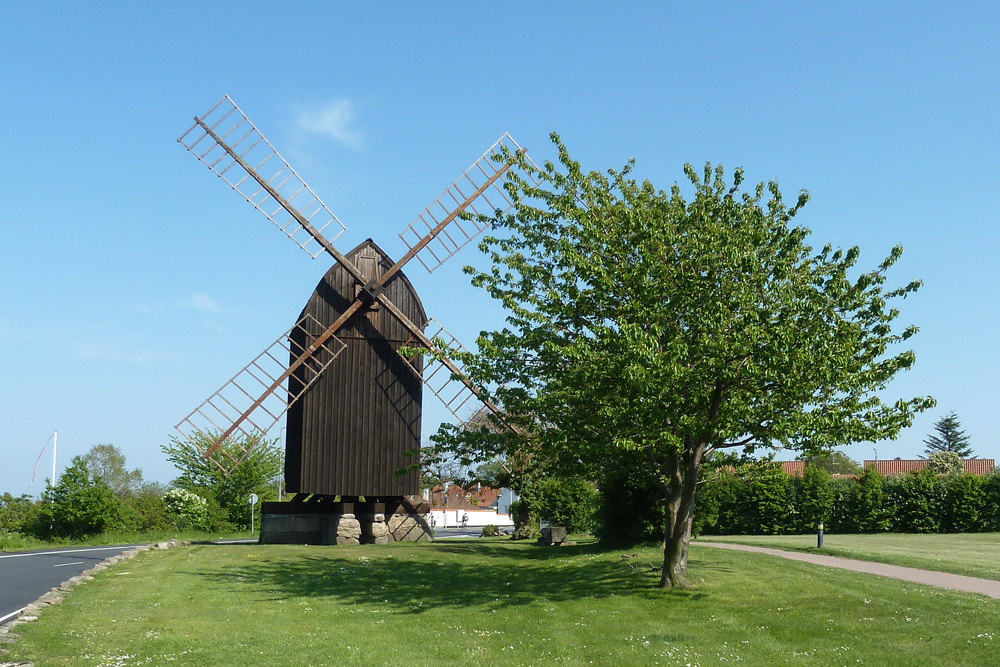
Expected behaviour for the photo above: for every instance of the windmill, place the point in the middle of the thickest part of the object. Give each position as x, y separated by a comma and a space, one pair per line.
351, 398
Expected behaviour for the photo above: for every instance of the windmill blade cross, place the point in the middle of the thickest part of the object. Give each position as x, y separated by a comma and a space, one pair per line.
255, 169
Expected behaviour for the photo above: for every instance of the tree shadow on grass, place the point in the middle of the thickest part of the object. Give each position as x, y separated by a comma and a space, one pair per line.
445, 576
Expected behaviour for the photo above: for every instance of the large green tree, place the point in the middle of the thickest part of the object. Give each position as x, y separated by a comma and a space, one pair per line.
256, 473
107, 463
949, 437
642, 321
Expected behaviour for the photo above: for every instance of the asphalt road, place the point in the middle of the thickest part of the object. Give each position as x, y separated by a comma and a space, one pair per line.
27, 575
445, 533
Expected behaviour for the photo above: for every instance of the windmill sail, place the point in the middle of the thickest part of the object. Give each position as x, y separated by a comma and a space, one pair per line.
252, 402
250, 163
441, 230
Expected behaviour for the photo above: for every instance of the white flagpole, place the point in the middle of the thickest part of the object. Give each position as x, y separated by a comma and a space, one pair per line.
55, 444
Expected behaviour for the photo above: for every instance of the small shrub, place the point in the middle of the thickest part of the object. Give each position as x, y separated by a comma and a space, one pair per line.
188, 510
489, 530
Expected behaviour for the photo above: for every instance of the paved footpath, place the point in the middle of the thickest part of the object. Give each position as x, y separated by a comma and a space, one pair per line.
955, 582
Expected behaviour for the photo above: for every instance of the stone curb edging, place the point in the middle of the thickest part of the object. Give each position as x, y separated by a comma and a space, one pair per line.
56, 595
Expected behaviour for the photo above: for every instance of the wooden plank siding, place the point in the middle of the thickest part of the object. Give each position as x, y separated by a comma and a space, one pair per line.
347, 434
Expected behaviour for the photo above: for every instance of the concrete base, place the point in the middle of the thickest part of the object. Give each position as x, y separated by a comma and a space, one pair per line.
310, 529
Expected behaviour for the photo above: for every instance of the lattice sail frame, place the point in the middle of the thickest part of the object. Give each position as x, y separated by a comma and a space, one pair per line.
226, 119
452, 391
486, 175
213, 417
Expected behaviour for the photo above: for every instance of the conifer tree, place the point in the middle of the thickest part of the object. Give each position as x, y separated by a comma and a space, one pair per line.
950, 438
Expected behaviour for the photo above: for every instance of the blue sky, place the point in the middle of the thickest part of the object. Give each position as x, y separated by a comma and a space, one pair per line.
135, 283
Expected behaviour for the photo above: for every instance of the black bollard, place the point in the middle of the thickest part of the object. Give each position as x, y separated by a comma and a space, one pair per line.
819, 535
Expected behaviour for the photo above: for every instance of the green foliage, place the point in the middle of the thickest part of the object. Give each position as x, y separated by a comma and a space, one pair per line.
834, 463
107, 463
187, 510
227, 494
867, 503
841, 519
631, 505
489, 530
950, 437
965, 502
571, 502
642, 321
145, 511
990, 514
526, 524
918, 501
944, 463
815, 498
765, 499
80, 504
17, 513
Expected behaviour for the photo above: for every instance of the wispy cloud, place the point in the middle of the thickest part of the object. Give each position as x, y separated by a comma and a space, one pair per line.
201, 301
334, 120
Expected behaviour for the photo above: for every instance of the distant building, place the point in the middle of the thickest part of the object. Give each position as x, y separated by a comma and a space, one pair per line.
890, 467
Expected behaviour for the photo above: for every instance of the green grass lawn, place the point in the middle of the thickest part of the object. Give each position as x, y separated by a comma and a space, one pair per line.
495, 602
975, 555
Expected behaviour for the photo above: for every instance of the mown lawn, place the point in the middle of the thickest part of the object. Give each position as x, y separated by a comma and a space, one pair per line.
18, 542
974, 555
491, 601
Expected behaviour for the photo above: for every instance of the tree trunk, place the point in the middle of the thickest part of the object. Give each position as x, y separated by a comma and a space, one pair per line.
682, 473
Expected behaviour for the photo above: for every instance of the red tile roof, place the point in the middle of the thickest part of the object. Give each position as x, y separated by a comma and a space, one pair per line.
794, 468
891, 467
464, 499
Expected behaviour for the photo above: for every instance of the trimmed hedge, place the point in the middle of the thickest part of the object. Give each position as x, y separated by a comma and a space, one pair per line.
762, 500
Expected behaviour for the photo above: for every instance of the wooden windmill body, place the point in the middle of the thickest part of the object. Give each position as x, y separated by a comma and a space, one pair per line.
352, 398
349, 432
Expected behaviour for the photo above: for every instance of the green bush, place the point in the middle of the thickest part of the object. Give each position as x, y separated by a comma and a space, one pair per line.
17, 513
841, 520
145, 512
489, 530
571, 502
186, 509
868, 510
917, 499
632, 508
765, 500
78, 505
965, 503
814, 498
990, 515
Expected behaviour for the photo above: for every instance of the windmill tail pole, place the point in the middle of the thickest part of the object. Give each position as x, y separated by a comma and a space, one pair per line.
34, 471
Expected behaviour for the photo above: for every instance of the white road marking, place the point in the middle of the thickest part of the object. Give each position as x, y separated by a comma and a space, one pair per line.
69, 551
13, 613
79, 562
